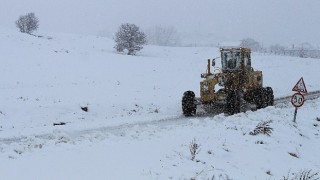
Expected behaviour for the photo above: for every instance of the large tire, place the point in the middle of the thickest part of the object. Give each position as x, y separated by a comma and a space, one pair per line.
263, 97
189, 107
232, 103
249, 96
259, 99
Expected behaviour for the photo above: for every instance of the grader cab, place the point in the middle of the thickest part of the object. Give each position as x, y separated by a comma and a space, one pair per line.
235, 87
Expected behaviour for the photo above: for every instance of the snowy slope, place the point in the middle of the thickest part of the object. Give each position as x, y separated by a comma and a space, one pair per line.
134, 126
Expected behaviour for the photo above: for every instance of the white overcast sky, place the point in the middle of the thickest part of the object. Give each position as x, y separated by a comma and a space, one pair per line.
269, 21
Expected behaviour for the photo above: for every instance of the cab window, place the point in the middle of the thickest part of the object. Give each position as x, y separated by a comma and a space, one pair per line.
231, 60
247, 60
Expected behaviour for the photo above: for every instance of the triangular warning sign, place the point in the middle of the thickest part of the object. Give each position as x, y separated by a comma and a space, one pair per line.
300, 86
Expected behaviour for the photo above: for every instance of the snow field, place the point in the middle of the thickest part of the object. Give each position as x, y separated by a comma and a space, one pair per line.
134, 128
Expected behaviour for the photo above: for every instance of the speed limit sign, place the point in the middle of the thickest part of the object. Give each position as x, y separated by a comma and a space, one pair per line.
297, 100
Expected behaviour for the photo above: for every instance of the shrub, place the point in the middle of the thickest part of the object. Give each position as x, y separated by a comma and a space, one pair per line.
194, 149
262, 128
302, 175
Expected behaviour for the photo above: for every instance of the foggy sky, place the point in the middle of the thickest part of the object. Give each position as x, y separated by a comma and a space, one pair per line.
268, 21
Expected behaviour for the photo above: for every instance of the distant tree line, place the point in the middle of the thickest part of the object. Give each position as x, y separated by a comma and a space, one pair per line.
131, 39
304, 50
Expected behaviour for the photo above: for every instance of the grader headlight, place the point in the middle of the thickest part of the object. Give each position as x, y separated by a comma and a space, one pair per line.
258, 79
205, 87
221, 80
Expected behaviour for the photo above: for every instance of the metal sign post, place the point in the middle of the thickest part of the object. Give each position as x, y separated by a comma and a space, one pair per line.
297, 101
297, 98
295, 115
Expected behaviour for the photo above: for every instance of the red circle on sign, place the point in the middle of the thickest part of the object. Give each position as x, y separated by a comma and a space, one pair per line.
297, 100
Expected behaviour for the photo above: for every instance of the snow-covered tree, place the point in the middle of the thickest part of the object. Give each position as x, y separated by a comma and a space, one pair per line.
27, 23
129, 38
163, 36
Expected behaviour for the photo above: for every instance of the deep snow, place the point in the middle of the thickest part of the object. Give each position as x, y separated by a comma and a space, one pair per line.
134, 128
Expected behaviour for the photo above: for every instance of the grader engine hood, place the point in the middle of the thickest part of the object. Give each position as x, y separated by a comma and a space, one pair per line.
234, 80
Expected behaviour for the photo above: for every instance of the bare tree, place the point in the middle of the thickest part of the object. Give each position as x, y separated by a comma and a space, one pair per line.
163, 36
277, 49
250, 43
27, 23
129, 38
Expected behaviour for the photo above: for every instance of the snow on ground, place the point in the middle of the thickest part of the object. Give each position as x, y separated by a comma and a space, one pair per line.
134, 128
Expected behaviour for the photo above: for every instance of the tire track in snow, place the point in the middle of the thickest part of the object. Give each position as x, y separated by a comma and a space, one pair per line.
116, 129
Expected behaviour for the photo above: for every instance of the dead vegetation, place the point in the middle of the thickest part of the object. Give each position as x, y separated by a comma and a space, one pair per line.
262, 128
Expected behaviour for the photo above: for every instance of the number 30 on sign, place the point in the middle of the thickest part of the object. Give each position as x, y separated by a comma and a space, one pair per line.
297, 100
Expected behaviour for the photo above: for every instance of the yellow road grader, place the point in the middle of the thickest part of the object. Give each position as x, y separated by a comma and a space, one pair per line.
234, 88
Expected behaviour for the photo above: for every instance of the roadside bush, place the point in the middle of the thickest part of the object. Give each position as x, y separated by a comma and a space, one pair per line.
194, 149
302, 175
262, 128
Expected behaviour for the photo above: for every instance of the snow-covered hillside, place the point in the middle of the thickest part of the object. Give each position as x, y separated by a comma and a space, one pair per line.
133, 128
